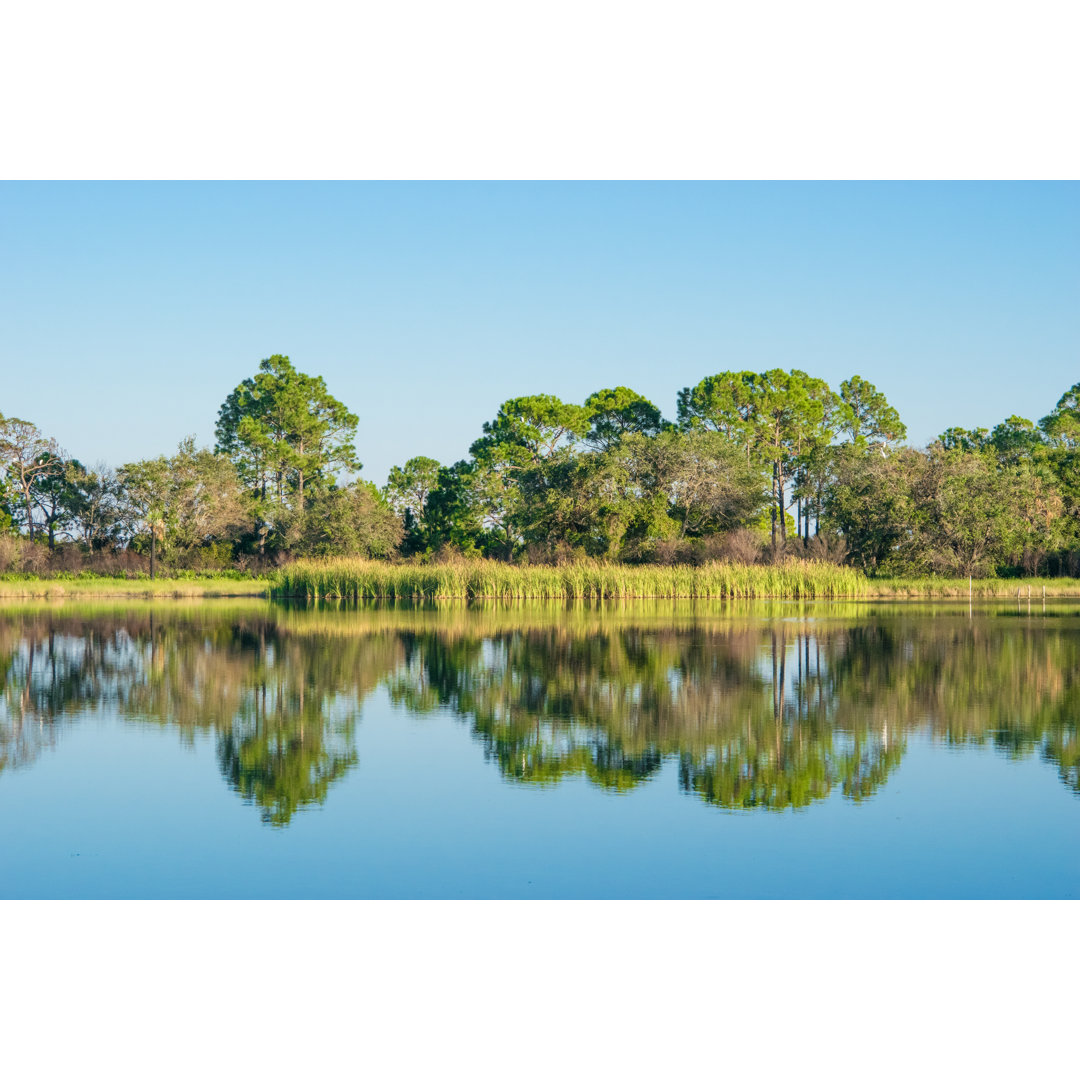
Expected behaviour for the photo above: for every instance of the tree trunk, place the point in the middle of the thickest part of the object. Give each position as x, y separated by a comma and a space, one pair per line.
29, 508
780, 502
300, 491
152, 553
773, 511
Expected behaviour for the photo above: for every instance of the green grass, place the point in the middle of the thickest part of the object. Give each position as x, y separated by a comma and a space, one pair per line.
981, 588
15, 587
360, 579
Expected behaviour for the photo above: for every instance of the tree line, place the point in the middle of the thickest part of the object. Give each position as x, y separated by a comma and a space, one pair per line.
756, 466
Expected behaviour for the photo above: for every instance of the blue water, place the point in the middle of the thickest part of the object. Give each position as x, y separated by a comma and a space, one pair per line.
122, 796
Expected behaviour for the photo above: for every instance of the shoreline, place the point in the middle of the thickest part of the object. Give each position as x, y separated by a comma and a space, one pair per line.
419, 584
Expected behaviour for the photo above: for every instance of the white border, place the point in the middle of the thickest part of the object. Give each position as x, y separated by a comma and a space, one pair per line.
577, 89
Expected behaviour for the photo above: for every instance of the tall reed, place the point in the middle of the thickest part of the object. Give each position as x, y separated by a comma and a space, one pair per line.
360, 579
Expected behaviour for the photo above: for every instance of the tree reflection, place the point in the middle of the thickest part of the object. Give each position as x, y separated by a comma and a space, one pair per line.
281, 707
757, 715
757, 712
750, 721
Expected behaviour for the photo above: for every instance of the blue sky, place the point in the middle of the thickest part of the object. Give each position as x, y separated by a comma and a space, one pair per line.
129, 311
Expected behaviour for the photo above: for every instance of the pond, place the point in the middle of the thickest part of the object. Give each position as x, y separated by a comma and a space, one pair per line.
635, 749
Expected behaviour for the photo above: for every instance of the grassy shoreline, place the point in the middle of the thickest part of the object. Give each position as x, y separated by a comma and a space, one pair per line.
136, 588
358, 579
981, 588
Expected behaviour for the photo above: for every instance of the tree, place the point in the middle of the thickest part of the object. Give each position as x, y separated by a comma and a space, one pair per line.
1062, 426
709, 485
1061, 429
793, 416
870, 500
145, 486
191, 500
773, 417
7, 518
727, 402
958, 438
526, 432
94, 509
206, 502
284, 432
55, 499
867, 416
351, 520
975, 513
529, 429
1015, 440
27, 457
491, 489
584, 501
451, 516
407, 489
618, 412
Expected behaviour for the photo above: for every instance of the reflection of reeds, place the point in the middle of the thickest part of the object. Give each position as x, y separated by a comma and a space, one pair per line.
338, 618
363, 579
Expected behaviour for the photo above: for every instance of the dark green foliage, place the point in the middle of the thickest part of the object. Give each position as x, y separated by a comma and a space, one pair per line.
956, 438
406, 491
1062, 426
287, 437
618, 412
869, 501
55, 498
351, 520
1015, 440
451, 518
866, 416
776, 419
582, 502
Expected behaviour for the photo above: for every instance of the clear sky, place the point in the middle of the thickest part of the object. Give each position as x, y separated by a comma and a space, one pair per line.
129, 311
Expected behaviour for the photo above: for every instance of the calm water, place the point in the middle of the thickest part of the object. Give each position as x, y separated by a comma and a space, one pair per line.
221, 749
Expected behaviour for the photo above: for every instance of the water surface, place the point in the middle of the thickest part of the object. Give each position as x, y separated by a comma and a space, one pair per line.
647, 749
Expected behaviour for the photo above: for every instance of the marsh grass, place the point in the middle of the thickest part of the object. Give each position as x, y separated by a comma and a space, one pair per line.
360, 579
